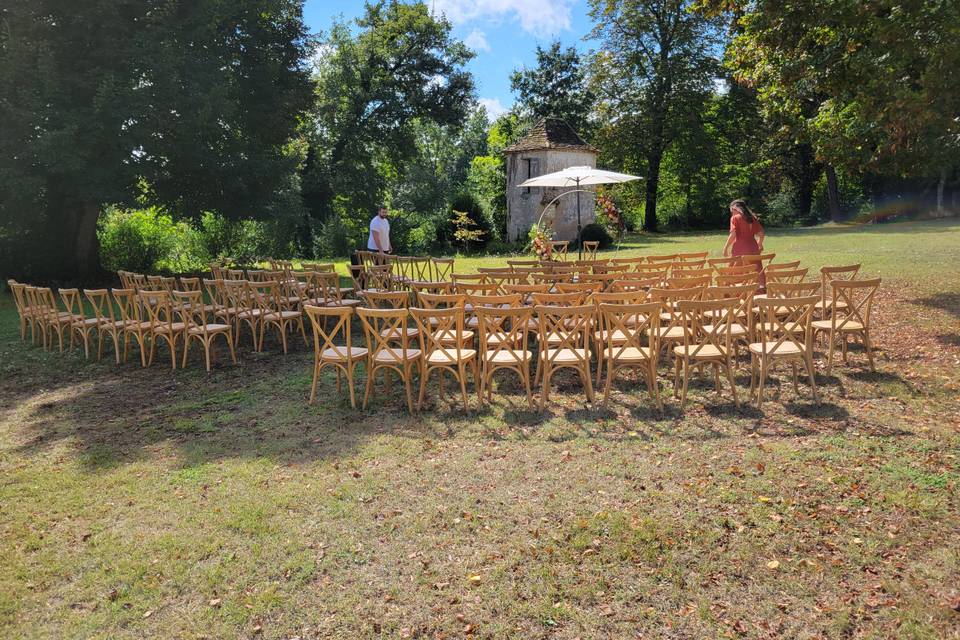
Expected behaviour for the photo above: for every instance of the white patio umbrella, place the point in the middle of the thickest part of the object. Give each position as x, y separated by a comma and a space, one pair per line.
577, 177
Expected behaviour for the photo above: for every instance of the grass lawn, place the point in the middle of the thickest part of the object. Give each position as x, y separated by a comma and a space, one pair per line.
149, 503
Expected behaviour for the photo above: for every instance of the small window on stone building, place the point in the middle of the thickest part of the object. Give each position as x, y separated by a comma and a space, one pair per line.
533, 170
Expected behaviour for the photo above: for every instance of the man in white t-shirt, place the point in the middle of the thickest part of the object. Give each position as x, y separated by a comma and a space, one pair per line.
379, 240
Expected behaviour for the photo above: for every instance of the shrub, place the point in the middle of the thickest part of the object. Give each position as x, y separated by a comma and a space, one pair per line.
596, 232
476, 224
333, 239
148, 240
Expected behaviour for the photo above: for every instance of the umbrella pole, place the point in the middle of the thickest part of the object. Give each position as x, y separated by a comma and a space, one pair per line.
579, 239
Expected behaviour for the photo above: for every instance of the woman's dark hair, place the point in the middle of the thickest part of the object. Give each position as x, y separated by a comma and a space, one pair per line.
745, 211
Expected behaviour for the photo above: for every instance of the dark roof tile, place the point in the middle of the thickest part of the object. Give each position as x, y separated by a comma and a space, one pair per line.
550, 133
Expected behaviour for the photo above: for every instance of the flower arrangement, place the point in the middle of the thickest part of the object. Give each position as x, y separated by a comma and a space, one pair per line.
540, 242
610, 214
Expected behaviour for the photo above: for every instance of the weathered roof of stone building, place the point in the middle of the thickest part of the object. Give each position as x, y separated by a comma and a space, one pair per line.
550, 133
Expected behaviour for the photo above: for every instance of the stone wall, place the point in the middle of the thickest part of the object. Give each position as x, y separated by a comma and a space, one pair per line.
523, 208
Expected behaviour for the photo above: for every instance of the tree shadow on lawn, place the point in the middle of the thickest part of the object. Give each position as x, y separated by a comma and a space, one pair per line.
948, 301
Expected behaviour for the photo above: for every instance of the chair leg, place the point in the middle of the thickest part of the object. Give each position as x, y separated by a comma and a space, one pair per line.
233, 353
609, 382
545, 387
733, 385
808, 361
686, 382
796, 387
366, 393
462, 375
424, 374
763, 380
588, 381
653, 386
350, 366
186, 350
407, 375
869, 347
316, 377
206, 351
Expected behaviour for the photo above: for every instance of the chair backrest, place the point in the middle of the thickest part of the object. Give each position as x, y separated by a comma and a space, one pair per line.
620, 297
214, 289
265, 296
660, 259
691, 272
706, 323
476, 288
634, 284
792, 289
323, 338
669, 300
656, 270
440, 300
475, 278
510, 326
629, 325
128, 302
785, 321
737, 270
559, 248
719, 263
604, 280
522, 263
19, 296
610, 269
526, 291
421, 268
568, 326
783, 266
630, 261
693, 257
590, 248
385, 331
853, 302
496, 300
158, 305
689, 283
551, 278
72, 302
378, 277
385, 299
679, 265
829, 274
579, 287
742, 293
189, 284
419, 287
761, 259
441, 330
102, 306
791, 276
751, 278
189, 306
235, 274
560, 299
442, 268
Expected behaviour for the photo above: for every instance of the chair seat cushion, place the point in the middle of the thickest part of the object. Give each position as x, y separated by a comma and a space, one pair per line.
629, 354
451, 356
396, 355
342, 353
697, 351
209, 328
826, 325
566, 356
169, 328
507, 356
785, 348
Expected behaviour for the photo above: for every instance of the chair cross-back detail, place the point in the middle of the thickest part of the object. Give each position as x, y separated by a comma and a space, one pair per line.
784, 333
163, 323
827, 275
504, 334
442, 339
629, 341
334, 347
564, 343
851, 304
385, 354
193, 313
706, 340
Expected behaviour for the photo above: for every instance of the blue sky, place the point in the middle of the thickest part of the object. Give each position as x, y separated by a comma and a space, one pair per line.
503, 33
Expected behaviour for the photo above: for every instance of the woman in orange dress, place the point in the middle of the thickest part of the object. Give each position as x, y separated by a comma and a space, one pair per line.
746, 234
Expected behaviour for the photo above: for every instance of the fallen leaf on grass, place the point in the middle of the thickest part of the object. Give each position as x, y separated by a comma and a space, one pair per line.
215, 602
474, 579
147, 614
773, 564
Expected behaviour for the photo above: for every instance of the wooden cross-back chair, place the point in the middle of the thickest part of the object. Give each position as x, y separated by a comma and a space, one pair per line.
630, 262
379, 277
522, 263
234, 274
585, 287
385, 354
634, 284
468, 278
784, 334
392, 300
650, 271
610, 269
435, 287
164, 323
79, 324
667, 258
783, 266
600, 336
551, 278
24, 311
334, 347
193, 313
629, 341
564, 343
601, 280
736, 270
719, 263
485, 298
133, 323
214, 291
504, 339
105, 320
751, 278
189, 284
276, 314
852, 303
761, 260
442, 349
558, 248
742, 323
243, 309
689, 283
446, 301
827, 275
358, 276
442, 269
697, 256
590, 248
706, 340
672, 322
43, 310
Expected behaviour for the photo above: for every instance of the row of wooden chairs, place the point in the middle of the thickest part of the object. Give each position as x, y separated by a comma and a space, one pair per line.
624, 331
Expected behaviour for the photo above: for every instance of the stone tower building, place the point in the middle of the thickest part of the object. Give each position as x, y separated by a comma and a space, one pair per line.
551, 145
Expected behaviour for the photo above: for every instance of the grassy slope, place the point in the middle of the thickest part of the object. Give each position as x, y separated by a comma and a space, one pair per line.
139, 503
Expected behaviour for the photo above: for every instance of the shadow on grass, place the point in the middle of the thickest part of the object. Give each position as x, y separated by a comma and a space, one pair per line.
948, 301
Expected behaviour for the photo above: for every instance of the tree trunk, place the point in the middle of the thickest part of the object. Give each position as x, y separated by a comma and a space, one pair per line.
72, 248
653, 180
833, 194
807, 175
940, 187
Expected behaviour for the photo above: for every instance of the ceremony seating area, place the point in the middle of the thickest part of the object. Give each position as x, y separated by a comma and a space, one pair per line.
422, 322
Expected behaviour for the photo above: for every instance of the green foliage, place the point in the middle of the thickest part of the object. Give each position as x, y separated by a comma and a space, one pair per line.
148, 241
487, 182
596, 232
380, 86
471, 225
100, 96
556, 88
333, 239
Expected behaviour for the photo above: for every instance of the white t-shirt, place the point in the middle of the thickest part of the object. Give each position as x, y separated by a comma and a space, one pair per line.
383, 226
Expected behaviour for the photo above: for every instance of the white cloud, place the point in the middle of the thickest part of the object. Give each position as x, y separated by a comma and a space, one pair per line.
537, 17
477, 40
494, 107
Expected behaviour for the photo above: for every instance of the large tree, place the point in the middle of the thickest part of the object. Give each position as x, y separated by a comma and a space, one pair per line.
186, 103
376, 87
657, 61
867, 84
556, 87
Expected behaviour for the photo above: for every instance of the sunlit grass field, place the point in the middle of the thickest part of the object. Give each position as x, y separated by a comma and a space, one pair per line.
140, 503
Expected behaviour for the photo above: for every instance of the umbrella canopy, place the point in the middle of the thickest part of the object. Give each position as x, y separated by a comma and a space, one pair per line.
578, 177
